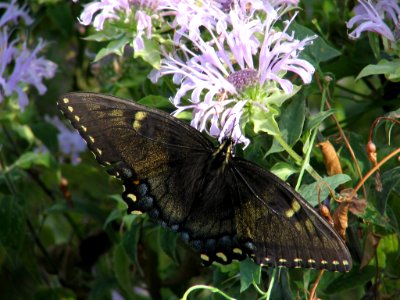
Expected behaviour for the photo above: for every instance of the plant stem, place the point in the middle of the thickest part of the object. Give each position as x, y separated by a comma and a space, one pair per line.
297, 157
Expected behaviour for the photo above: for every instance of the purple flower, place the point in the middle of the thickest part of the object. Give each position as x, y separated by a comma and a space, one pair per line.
242, 53
98, 12
19, 67
70, 142
13, 12
370, 16
104, 9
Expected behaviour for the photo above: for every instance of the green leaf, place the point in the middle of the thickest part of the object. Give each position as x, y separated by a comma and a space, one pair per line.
150, 53
391, 70
121, 266
54, 294
388, 250
250, 273
158, 102
130, 241
12, 224
315, 120
290, 124
283, 170
264, 121
24, 132
167, 240
319, 51
99, 36
29, 159
114, 47
390, 180
316, 192
354, 278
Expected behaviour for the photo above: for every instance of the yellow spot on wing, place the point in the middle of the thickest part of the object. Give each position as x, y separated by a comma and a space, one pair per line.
132, 197
289, 213
345, 263
139, 116
66, 100
222, 256
84, 128
136, 182
70, 108
77, 118
136, 212
237, 251
99, 151
204, 257
309, 226
282, 260
91, 138
335, 262
295, 207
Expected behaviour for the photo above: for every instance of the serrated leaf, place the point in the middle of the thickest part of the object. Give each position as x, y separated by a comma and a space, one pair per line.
391, 70
316, 192
250, 273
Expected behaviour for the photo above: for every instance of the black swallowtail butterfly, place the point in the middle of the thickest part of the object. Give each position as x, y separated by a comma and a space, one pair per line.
224, 206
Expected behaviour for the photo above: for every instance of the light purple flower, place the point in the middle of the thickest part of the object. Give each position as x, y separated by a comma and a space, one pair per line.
22, 66
370, 16
13, 12
70, 142
243, 53
99, 11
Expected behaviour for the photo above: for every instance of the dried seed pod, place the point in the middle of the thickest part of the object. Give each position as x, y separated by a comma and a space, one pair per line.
330, 157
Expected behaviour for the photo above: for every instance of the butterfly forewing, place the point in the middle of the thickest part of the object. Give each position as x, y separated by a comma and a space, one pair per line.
163, 163
227, 208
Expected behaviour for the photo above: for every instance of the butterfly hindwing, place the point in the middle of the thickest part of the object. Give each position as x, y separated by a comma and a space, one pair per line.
284, 228
225, 207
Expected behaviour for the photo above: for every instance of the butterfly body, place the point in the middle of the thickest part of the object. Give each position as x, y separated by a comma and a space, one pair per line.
224, 206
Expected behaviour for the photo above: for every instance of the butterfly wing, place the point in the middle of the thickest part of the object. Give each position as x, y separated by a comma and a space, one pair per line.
164, 166
282, 227
169, 170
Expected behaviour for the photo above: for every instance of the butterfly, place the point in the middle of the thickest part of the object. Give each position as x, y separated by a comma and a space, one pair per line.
224, 206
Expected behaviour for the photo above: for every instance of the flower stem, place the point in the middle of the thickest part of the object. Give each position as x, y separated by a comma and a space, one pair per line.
297, 157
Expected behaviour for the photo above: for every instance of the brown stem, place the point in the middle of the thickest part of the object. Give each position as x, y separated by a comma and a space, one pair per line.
372, 171
314, 289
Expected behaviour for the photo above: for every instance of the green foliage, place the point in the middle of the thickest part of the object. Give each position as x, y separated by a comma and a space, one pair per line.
64, 233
